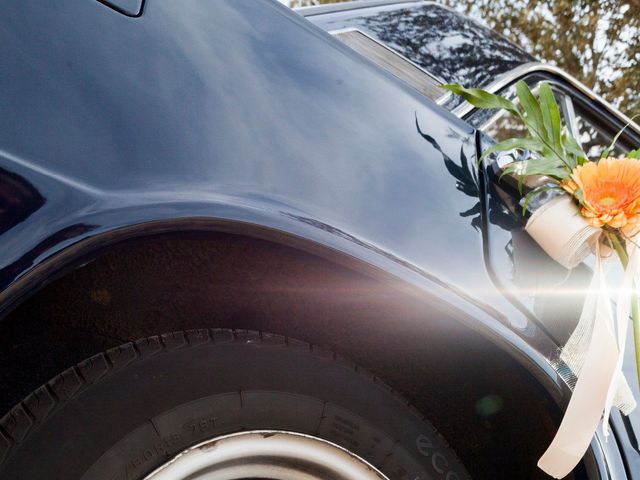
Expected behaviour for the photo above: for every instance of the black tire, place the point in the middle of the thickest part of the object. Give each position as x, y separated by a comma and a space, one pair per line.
121, 414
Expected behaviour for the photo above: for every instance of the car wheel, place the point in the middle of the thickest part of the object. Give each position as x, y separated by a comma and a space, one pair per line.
219, 404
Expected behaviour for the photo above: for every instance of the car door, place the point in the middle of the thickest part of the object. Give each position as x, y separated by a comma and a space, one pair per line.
532, 281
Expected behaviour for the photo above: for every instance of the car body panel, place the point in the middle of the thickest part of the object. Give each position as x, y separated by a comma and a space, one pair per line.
247, 118
162, 131
295, 134
312, 139
307, 146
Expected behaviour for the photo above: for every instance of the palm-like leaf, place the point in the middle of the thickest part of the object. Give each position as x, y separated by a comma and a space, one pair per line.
555, 152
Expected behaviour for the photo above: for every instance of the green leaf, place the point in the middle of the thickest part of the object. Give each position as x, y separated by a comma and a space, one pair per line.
545, 166
532, 144
551, 118
572, 147
481, 98
533, 121
634, 154
579, 194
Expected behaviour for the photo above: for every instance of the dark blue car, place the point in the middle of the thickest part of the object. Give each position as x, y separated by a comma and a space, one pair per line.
239, 241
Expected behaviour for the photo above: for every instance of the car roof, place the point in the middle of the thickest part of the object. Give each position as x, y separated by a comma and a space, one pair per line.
445, 43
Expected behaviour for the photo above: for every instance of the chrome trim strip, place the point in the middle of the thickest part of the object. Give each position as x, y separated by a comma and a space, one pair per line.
353, 5
517, 73
390, 50
393, 62
441, 100
570, 116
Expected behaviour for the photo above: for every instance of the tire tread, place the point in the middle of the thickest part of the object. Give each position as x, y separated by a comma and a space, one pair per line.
17, 424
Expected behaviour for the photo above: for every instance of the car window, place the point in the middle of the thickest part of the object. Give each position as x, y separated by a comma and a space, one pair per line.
503, 125
591, 135
586, 124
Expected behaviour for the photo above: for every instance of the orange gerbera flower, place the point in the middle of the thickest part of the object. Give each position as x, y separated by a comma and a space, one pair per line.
610, 192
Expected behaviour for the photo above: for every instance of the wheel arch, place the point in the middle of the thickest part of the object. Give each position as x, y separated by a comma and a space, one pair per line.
163, 278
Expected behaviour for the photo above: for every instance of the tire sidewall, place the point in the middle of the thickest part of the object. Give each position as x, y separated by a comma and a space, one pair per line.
153, 403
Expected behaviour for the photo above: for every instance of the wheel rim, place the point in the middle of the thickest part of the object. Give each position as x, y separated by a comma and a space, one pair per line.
266, 454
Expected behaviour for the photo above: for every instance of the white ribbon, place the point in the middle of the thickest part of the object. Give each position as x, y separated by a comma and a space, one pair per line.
595, 350
619, 392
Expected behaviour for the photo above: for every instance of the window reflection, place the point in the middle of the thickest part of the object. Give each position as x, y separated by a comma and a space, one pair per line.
447, 44
593, 136
505, 125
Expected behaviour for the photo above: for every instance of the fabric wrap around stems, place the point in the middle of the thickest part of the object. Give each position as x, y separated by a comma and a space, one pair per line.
595, 350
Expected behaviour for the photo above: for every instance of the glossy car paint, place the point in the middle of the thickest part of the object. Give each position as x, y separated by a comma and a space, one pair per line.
240, 116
